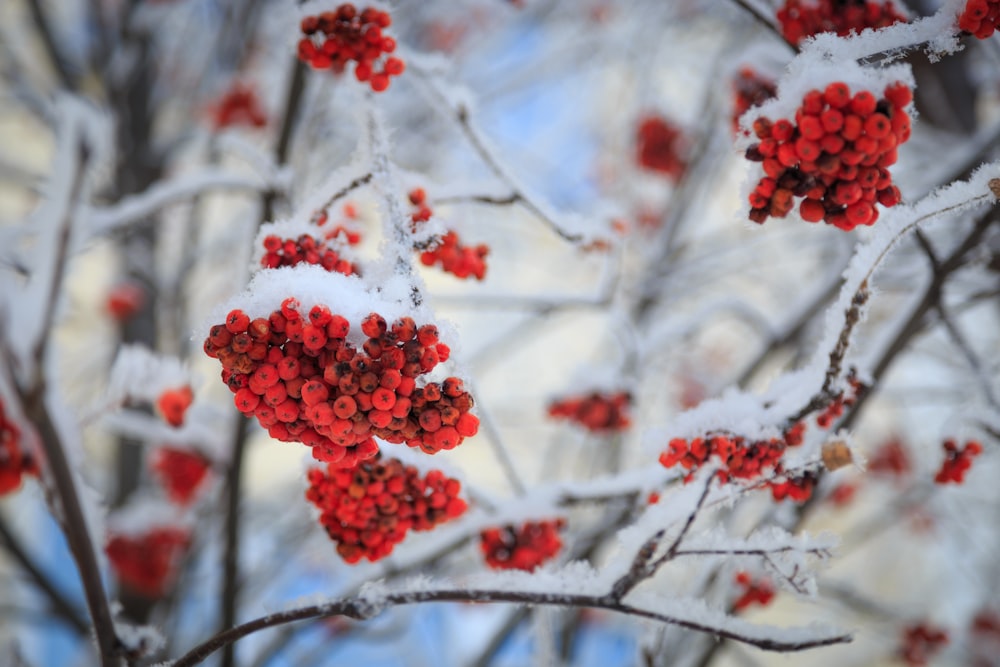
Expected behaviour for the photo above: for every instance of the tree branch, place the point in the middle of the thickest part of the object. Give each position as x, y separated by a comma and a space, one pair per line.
361, 609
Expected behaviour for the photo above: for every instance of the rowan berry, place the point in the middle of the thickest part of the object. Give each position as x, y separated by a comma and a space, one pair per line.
239, 105
759, 592
331, 40
750, 90
182, 472
524, 547
660, 147
369, 507
125, 300
596, 411
800, 19
836, 155
957, 461
147, 563
173, 404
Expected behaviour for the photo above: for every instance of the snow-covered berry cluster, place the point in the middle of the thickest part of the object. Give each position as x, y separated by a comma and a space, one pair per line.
14, 463
744, 459
182, 472
521, 548
800, 19
306, 249
750, 89
305, 382
333, 39
980, 18
596, 411
462, 261
957, 461
759, 591
368, 509
147, 563
659, 147
834, 155
238, 106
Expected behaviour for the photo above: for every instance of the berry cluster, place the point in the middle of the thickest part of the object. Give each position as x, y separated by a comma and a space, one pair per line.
798, 488
920, 642
957, 461
524, 548
741, 459
182, 472
305, 249
238, 106
448, 251
368, 509
173, 404
980, 18
306, 383
842, 400
754, 592
890, 459
125, 300
835, 156
750, 90
659, 147
147, 563
597, 412
800, 19
14, 463
333, 39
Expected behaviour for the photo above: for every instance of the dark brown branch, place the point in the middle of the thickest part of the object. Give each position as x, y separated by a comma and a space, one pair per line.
358, 182
59, 472
362, 609
234, 475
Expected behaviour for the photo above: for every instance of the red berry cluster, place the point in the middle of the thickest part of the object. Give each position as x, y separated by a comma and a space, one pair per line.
305, 249
920, 642
306, 383
14, 463
842, 494
182, 472
984, 638
333, 39
524, 548
125, 300
804, 18
842, 400
750, 90
835, 156
601, 413
890, 459
173, 404
754, 592
368, 509
798, 488
957, 461
147, 563
742, 459
980, 18
239, 106
659, 147
448, 251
